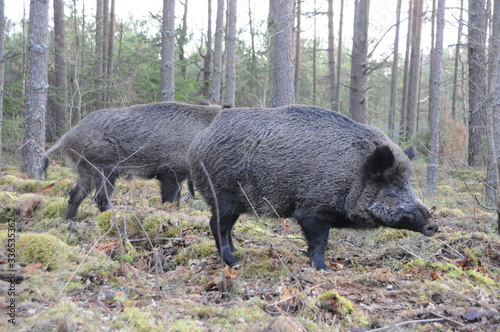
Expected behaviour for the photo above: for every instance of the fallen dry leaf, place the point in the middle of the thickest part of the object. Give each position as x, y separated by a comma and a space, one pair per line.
33, 267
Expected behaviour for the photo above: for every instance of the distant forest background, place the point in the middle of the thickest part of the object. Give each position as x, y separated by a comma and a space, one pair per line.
442, 97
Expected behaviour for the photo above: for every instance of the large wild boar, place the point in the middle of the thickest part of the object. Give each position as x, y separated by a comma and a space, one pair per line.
307, 163
148, 141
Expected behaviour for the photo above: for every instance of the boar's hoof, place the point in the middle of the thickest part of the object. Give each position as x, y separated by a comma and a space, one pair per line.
430, 229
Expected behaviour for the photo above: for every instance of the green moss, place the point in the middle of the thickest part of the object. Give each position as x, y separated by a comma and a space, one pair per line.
196, 251
393, 234
154, 220
199, 205
183, 325
55, 208
41, 248
153, 200
481, 278
136, 319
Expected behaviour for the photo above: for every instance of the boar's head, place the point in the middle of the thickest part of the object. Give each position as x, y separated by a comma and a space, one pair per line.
385, 196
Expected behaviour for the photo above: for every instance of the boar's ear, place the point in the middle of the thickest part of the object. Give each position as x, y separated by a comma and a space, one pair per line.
380, 160
410, 152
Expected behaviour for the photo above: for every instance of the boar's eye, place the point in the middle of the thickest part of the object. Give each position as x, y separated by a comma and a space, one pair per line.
380, 160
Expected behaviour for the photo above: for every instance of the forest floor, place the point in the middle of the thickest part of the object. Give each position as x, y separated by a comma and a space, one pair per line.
147, 266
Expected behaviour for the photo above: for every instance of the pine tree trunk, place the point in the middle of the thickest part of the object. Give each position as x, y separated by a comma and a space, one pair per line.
332, 78
435, 102
99, 51
182, 40
36, 90
2, 70
219, 36
339, 58
231, 54
359, 62
61, 75
414, 71
477, 79
111, 42
207, 58
404, 99
297, 49
455, 67
394, 74
280, 29
168, 52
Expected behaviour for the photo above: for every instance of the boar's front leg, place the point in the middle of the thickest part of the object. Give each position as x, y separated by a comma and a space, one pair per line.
170, 186
316, 233
221, 230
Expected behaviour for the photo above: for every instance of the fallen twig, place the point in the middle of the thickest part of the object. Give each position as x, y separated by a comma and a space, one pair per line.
408, 322
156, 239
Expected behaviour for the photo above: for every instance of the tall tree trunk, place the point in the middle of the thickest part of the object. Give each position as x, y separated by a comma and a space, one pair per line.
332, 83
404, 97
315, 49
231, 53
477, 79
182, 40
33, 147
297, 49
435, 102
339, 58
99, 51
359, 61
61, 75
168, 52
431, 53
253, 59
493, 112
207, 58
414, 71
394, 74
219, 36
280, 29
111, 42
2, 69
455, 67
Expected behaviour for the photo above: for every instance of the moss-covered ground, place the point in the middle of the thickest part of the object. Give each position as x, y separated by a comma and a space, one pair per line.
147, 266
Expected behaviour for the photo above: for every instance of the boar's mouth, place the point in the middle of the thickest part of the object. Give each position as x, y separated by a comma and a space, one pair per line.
430, 229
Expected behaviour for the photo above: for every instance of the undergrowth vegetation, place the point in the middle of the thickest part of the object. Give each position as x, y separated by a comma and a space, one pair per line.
147, 266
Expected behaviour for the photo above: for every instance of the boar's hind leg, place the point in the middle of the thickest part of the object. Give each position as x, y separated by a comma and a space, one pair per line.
77, 195
316, 234
104, 189
223, 237
170, 186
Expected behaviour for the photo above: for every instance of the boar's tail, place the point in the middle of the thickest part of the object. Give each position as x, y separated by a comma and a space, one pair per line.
50, 151
190, 185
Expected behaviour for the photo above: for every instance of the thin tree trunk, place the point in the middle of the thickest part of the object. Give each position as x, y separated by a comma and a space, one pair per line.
168, 51
36, 90
315, 49
280, 30
477, 79
332, 83
359, 62
111, 41
61, 75
297, 49
182, 40
339, 58
99, 51
253, 59
435, 102
404, 99
394, 74
431, 55
455, 67
207, 58
219, 36
2, 70
231, 54
414, 71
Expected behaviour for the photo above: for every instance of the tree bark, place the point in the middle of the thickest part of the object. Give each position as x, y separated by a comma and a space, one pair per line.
99, 51
207, 58
2, 70
455, 67
359, 62
280, 30
435, 102
111, 41
339, 58
414, 71
394, 74
61, 75
477, 79
404, 97
332, 78
36, 90
219, 36
182, 40
297, 49
231, 54
168, 52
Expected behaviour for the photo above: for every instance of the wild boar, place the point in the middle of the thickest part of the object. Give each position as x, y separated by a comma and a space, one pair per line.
148, 141
307, 163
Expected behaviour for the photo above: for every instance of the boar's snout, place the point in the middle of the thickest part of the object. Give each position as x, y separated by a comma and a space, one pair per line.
430, 229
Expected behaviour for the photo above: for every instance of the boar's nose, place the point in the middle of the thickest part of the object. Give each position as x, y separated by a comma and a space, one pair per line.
430, 229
